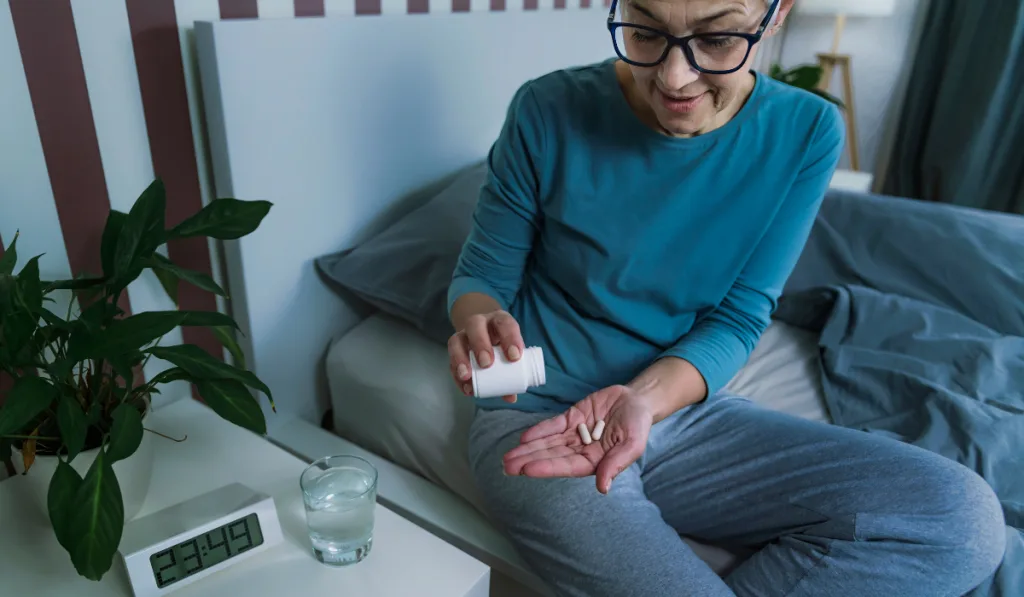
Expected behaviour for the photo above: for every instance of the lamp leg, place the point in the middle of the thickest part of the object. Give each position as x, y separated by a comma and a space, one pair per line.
827, 64
851, 114
838, 33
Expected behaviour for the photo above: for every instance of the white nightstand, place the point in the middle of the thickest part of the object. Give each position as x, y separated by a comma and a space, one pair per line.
851, 180
406, 560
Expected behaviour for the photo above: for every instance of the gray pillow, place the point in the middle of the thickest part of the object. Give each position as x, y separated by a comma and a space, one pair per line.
406, 269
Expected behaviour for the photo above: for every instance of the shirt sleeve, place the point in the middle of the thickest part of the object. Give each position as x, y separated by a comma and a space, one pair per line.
719, 344
505, 220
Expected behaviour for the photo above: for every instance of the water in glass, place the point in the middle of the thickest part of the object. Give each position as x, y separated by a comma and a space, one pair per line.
339, 512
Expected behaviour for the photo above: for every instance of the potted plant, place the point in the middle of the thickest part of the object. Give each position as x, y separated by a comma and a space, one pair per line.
806, 77
77, 409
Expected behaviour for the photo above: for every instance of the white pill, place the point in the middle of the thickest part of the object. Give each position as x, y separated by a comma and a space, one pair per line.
598, 429
584, 433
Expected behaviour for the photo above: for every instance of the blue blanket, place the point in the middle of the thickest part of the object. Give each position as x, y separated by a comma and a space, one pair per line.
919, 310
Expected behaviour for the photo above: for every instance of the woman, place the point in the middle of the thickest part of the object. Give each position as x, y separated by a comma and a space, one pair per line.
639, 221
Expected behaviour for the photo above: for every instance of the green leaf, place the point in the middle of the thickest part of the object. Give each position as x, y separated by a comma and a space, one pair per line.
163, 266
10, 257
142, 231
60, 500
108, 244
200, 365
169, 281
223, 219
99, 315
775, 71
125, 433
18, 329
45, 336
231, 400
208, 319
122, 365
72, 424
54, 320
21, 303
8, 291
30, 289
226, 336
96, 520
93, 416
804, 77
29, 397
169, 375
134, 358
130, 333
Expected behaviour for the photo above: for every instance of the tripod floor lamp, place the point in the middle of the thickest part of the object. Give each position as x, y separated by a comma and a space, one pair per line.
833, 60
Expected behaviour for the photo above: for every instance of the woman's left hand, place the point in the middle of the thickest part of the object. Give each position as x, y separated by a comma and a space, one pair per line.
553, 448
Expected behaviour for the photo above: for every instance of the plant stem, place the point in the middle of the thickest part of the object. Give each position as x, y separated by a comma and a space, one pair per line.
165, 436
71, 304
145, 388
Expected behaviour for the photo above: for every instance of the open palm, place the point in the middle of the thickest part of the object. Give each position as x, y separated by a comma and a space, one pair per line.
553, 448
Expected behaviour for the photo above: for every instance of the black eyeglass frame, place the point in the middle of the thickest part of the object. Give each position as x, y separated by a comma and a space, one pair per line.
684, 42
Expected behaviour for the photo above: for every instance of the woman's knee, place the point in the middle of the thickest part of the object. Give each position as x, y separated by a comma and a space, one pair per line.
977, 516
963, 524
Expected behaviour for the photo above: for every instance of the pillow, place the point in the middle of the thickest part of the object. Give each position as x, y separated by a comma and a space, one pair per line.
406, 269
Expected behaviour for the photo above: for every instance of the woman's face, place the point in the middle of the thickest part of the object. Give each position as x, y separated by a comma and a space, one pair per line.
682, 100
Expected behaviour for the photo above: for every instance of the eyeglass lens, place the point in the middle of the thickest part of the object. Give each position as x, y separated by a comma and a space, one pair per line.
713, 52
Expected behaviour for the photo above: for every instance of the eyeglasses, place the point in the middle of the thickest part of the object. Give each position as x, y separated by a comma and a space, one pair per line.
710, 53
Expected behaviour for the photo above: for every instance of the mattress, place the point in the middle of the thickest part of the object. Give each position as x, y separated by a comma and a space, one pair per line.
392, 394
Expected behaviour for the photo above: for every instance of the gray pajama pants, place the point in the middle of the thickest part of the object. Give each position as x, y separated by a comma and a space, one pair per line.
831, 511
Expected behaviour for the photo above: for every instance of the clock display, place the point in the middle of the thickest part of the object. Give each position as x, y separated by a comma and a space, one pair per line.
208, 549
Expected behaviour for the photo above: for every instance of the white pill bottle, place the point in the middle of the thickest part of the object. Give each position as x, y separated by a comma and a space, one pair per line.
506, 377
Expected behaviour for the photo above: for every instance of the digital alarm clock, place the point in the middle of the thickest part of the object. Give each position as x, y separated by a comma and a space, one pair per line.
186, 542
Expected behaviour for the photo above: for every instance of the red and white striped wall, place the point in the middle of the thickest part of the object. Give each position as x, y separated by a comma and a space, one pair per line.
97, 97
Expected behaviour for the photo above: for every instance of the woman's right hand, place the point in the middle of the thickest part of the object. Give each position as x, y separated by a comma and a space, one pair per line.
483, 334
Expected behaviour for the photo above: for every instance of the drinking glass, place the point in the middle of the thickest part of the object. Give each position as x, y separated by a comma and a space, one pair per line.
340, 493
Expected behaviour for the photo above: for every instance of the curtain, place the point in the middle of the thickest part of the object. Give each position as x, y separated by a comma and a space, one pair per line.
960, 137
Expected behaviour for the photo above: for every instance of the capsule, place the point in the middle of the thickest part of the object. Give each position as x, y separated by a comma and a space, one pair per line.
584, 433
598, 429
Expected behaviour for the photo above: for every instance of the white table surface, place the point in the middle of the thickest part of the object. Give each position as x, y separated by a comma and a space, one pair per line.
405, 559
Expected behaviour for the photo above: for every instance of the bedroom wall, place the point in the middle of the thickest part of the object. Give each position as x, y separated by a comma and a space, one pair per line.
100, 96
882, 52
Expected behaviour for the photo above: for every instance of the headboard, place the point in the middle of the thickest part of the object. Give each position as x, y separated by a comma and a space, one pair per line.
339, 122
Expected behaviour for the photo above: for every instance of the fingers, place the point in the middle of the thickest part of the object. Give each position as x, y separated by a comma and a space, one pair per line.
504, 330
479, 338
547, 427
536, 445
458, 357
573, 465
616, 460
481, 334
517, 465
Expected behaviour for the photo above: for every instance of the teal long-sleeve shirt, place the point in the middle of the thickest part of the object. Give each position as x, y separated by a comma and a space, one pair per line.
613, 245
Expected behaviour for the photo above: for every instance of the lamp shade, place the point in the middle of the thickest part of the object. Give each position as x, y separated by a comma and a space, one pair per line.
853, 8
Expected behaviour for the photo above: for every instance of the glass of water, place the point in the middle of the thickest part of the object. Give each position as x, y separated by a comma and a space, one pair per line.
340, 493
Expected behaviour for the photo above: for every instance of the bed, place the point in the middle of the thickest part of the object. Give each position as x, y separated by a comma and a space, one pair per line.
379, 157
